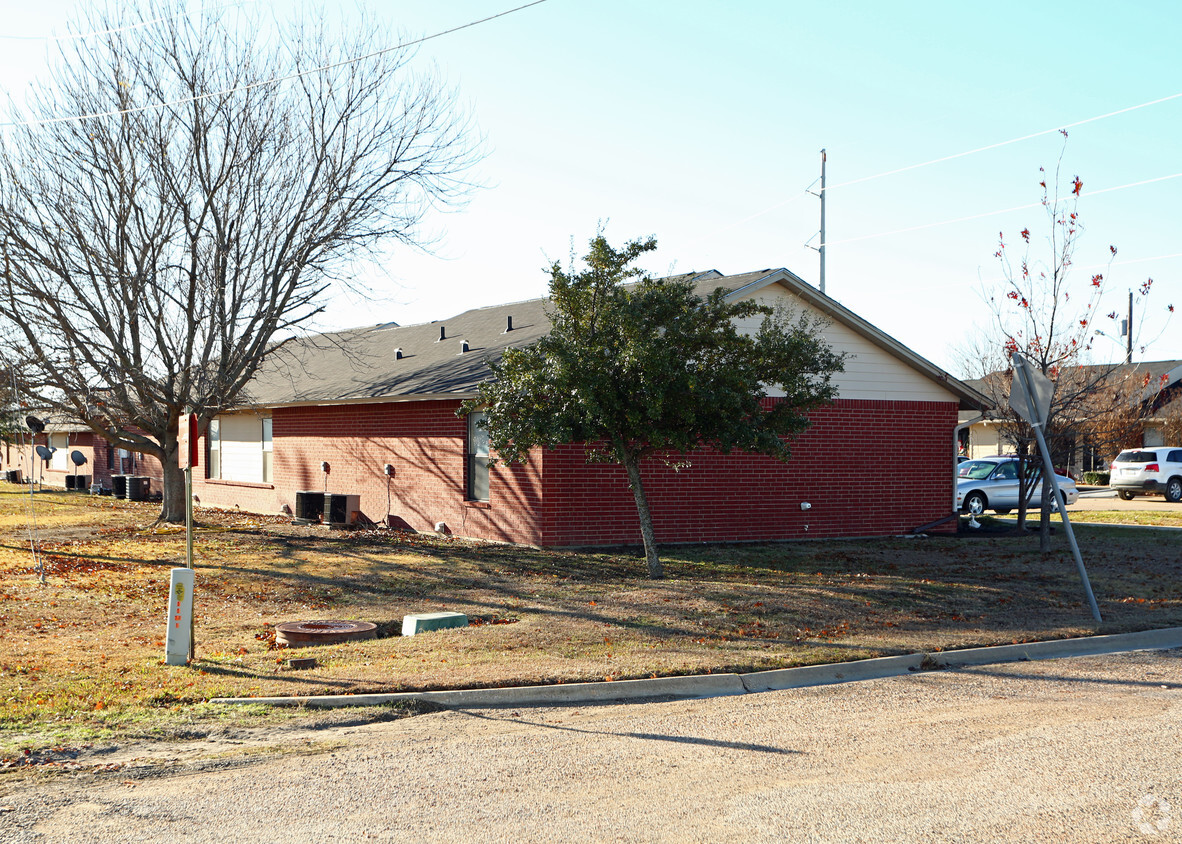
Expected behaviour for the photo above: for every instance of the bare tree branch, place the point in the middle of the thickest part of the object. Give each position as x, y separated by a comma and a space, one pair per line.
154, 258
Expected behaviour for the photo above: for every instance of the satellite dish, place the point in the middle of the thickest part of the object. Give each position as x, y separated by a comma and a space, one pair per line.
35, 424
44, 453
77, 458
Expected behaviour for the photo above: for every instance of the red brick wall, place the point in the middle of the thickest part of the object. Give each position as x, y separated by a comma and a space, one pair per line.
95, 449
425, 443
868, 468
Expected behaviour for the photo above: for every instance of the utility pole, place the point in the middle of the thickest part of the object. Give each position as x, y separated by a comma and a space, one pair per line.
821, 248
1128, 331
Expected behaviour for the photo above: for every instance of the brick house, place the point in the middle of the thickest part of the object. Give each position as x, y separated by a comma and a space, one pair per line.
363, 399
1156, 396
102, 460
387, 395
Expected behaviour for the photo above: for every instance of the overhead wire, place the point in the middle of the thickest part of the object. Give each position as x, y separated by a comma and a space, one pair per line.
992, 213
1019, 139
942, 159
274, 80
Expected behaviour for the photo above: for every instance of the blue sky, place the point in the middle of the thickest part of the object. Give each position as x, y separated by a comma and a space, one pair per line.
702, 122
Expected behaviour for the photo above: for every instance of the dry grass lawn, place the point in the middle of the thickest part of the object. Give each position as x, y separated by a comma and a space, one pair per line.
82, 655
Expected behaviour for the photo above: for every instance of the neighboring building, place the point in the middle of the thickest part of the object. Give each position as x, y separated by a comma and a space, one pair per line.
878, 461
1156, 417
102, 460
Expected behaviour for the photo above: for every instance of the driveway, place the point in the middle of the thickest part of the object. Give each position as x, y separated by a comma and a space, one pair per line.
1082, 749
1103, 498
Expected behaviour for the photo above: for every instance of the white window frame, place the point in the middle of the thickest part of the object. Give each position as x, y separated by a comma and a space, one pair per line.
476, 474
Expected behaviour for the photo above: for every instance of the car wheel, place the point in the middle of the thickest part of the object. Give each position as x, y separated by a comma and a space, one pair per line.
1174, 490
1003, 512
975, 504
1125, 495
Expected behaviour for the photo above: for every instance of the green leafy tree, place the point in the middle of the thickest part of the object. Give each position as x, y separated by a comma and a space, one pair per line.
651, 369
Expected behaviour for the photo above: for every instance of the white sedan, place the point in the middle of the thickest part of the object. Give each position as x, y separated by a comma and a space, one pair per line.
991, 483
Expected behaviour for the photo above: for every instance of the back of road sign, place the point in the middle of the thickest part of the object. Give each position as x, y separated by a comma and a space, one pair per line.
1030, 385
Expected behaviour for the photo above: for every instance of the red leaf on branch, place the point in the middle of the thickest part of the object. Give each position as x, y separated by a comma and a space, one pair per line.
1025, 235
1096, 279
1077, 185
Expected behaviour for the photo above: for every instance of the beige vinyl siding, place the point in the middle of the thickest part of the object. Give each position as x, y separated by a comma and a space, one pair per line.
870, 371
985, 441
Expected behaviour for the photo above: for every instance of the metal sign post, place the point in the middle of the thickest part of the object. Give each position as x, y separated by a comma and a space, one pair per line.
1031, 396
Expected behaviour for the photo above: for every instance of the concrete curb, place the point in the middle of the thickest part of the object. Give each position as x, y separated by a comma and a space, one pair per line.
840, 672
702, 685
715, 685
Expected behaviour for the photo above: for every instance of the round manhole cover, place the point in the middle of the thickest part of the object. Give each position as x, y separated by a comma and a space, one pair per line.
299, 634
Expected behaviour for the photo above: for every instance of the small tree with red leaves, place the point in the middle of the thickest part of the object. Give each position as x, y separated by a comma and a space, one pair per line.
1040, 310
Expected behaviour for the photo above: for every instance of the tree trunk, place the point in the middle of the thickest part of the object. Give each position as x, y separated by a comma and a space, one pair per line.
646, 520
172, 505
1024, 486
1044, 519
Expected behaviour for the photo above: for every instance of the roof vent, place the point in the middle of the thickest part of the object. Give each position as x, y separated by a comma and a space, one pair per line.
463, 346
398, 354
508, 323
442, 333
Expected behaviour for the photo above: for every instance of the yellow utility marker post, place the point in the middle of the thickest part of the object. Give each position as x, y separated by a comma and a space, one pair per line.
181, 642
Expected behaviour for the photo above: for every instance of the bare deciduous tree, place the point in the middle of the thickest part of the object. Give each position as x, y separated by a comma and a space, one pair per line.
181, 192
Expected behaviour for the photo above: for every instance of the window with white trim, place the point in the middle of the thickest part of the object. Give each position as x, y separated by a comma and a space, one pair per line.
214, 444
477, 464
60, 462
267, 449
240, 448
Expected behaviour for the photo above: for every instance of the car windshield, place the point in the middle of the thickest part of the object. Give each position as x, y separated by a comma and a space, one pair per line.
976, 470
1136, 457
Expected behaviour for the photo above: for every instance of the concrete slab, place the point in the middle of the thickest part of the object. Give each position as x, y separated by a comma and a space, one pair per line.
423, 622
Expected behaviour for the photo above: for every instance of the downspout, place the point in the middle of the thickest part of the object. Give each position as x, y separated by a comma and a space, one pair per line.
955, 446
955, 442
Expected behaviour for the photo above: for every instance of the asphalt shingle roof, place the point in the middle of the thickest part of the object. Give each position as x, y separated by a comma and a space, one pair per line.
361, 363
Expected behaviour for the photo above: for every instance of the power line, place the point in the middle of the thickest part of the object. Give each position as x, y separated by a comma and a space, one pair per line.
944, 158
273, 81
74, 36
1007, 143
994, 213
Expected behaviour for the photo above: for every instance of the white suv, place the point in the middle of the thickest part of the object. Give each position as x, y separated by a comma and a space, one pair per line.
1148, 470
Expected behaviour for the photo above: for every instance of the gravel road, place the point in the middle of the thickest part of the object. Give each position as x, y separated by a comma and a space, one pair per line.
1083, 749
